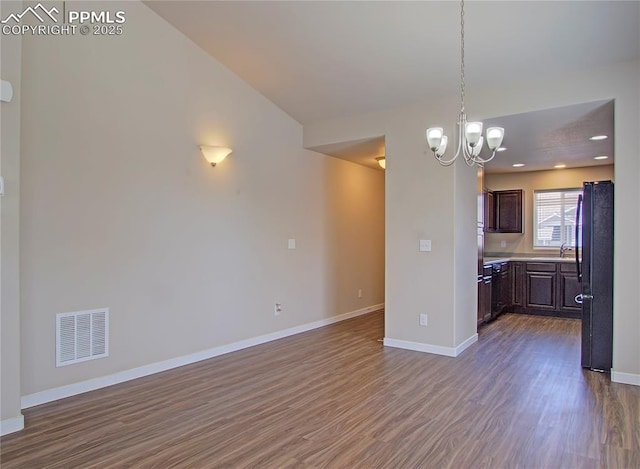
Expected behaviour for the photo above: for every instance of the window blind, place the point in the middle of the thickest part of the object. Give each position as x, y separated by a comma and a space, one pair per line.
554, 214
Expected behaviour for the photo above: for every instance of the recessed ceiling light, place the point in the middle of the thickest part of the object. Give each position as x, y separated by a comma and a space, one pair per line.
603, 157
501, 148
599, 137
560, 166
517, 165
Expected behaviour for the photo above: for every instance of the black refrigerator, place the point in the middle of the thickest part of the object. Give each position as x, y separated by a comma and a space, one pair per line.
595, 270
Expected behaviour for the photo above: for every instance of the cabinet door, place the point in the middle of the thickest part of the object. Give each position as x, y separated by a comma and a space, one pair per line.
568, 289
486, 298
489, 211
517, 283
495, 294
505, 286
480, 302
500, 289
541, 290
508, 211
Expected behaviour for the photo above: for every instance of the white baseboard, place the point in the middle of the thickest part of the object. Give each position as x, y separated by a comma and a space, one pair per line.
61, 392
14, 424
429, 348
625, 378
466, 344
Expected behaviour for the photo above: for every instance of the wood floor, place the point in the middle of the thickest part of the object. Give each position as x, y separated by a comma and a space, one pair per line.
335, 397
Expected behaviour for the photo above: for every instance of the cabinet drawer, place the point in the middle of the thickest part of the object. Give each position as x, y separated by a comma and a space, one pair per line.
568, 267
541, 267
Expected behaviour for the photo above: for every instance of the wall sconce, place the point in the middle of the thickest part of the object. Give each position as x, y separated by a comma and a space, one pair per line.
381, 161
213, 154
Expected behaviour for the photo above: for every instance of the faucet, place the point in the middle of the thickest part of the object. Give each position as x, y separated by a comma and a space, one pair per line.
564, 248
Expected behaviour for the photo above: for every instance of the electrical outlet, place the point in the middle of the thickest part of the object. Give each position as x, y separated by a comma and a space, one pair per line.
503, 244
359, 292
277, 309
423, 319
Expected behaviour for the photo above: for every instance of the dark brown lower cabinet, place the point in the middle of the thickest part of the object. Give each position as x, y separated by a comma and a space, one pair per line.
486, 298
517, 283
569, 288
541, 281
480, 315
501, 288
484, 295
550, 289
544, 288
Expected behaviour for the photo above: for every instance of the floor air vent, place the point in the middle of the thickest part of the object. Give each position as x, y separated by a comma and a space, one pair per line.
82, 336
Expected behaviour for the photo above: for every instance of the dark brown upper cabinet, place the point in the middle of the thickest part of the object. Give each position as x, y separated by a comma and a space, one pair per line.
503, 211
489, 212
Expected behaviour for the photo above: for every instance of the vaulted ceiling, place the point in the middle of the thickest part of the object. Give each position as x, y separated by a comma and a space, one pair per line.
326, 59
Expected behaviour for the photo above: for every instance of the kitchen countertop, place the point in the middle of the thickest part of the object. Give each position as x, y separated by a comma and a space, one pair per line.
493, 260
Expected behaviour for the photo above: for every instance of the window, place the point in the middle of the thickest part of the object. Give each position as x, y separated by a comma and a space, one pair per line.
554, 219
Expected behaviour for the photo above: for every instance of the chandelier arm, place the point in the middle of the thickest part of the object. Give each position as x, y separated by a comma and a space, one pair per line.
479, 160
448, 162
445, 162
468, 153
470, 161
461, 142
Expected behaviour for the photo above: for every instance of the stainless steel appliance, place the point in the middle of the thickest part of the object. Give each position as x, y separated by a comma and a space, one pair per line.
595, 270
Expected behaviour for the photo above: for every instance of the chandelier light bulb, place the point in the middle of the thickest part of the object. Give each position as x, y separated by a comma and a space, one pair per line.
473, 132
434, 137
494, 137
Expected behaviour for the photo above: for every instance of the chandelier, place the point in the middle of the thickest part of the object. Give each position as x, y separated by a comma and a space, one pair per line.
470, 138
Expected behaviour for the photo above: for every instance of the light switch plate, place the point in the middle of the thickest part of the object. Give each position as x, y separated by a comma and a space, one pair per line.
425, 245
291, 244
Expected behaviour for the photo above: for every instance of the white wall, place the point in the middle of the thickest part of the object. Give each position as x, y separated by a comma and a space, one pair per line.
10, 70
423, 199
422, 202
530, 181
465, 194
120, 209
